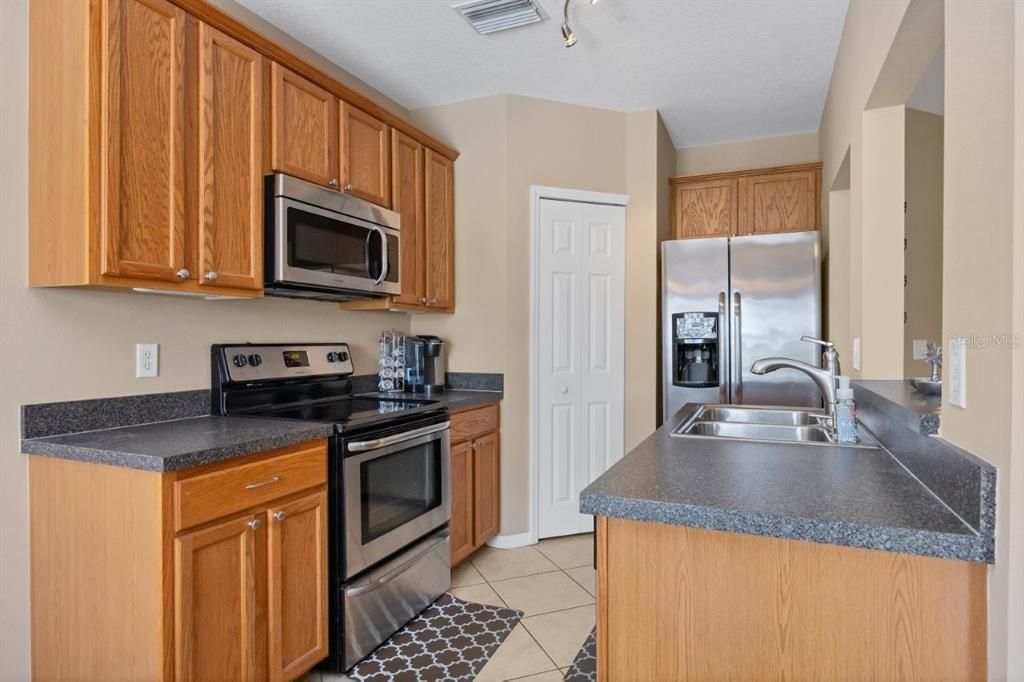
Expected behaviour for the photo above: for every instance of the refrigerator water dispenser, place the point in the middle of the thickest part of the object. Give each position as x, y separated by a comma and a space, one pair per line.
695, 361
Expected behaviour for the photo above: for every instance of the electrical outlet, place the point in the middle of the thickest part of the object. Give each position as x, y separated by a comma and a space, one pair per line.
920, 349
856, 353
147, 360
957, 368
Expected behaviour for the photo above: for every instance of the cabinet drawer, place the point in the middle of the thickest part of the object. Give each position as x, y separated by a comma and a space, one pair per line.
472, 423
226, 491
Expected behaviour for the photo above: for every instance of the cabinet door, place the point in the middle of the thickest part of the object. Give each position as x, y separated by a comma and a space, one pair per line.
486, 484
439, 182
365, 156
215, 602
780, 202
304, 128
143, 118
230, 178
461, 526
704, 209
297, 577
407, 201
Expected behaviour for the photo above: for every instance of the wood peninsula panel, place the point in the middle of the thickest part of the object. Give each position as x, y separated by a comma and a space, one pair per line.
780, 201
365, 155
705, 209
304, 128
407, 201
678, 603
230, 236
440, 231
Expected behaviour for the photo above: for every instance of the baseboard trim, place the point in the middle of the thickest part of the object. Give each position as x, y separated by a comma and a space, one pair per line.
512, 541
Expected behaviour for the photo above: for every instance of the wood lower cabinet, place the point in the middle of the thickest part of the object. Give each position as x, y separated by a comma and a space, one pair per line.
365, 155
212, 573
678, 604
304, 128
760, 201
475, 480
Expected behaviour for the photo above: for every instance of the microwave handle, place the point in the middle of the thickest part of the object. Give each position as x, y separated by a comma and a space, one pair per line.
384, 265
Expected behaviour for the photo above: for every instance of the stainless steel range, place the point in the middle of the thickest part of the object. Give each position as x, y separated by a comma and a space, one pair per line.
388, 479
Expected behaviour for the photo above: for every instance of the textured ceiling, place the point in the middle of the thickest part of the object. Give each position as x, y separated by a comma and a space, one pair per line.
717, 70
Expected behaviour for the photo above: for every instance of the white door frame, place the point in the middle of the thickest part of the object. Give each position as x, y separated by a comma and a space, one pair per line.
537, 193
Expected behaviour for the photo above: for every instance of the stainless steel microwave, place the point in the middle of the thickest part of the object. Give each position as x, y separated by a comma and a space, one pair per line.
323, 244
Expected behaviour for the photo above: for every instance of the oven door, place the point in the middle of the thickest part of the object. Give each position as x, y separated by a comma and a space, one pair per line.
321, 248
396, 491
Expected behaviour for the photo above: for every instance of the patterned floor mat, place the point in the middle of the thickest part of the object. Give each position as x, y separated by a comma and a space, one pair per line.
584, 666
451, 640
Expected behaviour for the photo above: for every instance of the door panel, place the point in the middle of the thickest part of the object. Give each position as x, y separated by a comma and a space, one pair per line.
143, 226
440, 236
461, 526
694, 278
304, 128
779, 202
297, 578
407, 201
365, 155
486, 498
778, 281
581, 266
215, 601
230, 177
705, 209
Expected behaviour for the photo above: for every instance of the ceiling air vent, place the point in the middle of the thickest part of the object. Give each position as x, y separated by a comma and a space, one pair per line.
489, 16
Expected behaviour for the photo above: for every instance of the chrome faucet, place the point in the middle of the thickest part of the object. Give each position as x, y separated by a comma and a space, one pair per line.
824, 377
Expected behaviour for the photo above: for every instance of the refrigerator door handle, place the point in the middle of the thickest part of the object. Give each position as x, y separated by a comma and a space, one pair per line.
736, 361
724, 378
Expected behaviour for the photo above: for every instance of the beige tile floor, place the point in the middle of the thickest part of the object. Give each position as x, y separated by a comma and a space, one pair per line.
552, 582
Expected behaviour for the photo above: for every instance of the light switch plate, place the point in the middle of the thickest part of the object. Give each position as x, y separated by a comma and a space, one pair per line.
856, 353
920, 349
957, 368
147, 360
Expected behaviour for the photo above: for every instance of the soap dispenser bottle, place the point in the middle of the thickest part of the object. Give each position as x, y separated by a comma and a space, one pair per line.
846, 412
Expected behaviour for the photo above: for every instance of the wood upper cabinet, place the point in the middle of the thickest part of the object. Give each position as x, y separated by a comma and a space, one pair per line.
407, 201
440, 231
215, 578
297, 579
304, 128
461, 527
761, 201
705, 209
143, 131
780, 201
365, 155
230, 234
475, 480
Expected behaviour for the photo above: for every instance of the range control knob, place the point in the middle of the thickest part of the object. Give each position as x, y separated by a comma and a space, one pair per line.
239, 360
332, 357
255, 360
342, 356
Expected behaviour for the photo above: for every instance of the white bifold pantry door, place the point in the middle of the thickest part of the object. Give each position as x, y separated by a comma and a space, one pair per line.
580, 355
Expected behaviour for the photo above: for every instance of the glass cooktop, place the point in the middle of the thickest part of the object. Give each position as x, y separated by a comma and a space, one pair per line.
349, 409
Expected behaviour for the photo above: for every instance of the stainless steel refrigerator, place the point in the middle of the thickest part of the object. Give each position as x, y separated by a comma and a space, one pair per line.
729, 301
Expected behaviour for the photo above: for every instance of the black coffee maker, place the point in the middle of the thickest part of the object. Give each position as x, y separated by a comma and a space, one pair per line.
424, 364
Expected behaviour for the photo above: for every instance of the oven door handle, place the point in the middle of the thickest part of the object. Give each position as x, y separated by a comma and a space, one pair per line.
374, 582
377, 443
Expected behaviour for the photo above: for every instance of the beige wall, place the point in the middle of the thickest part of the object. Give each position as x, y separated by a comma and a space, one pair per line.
757, 153
922, 296
65, 345
504, 152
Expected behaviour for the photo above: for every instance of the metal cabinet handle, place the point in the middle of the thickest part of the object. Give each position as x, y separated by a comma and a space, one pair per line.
333, 182
348, 187
211, 276
183, 274
280, 516
254, 486
423, 299
254, 524
433, 301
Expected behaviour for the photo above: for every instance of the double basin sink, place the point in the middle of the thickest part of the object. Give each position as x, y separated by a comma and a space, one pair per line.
764, 424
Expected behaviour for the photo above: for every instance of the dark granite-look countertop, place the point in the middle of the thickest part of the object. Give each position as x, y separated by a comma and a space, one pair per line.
856, 497
178, 444
899, 400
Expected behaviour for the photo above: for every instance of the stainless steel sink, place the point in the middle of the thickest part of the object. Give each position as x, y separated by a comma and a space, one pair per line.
763, 424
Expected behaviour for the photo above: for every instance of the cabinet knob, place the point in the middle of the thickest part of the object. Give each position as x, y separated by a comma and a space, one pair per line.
348, 187
423, 299
564, 389
211, 276
183, 274
255, 524
333, 182
432, 301
280, 516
